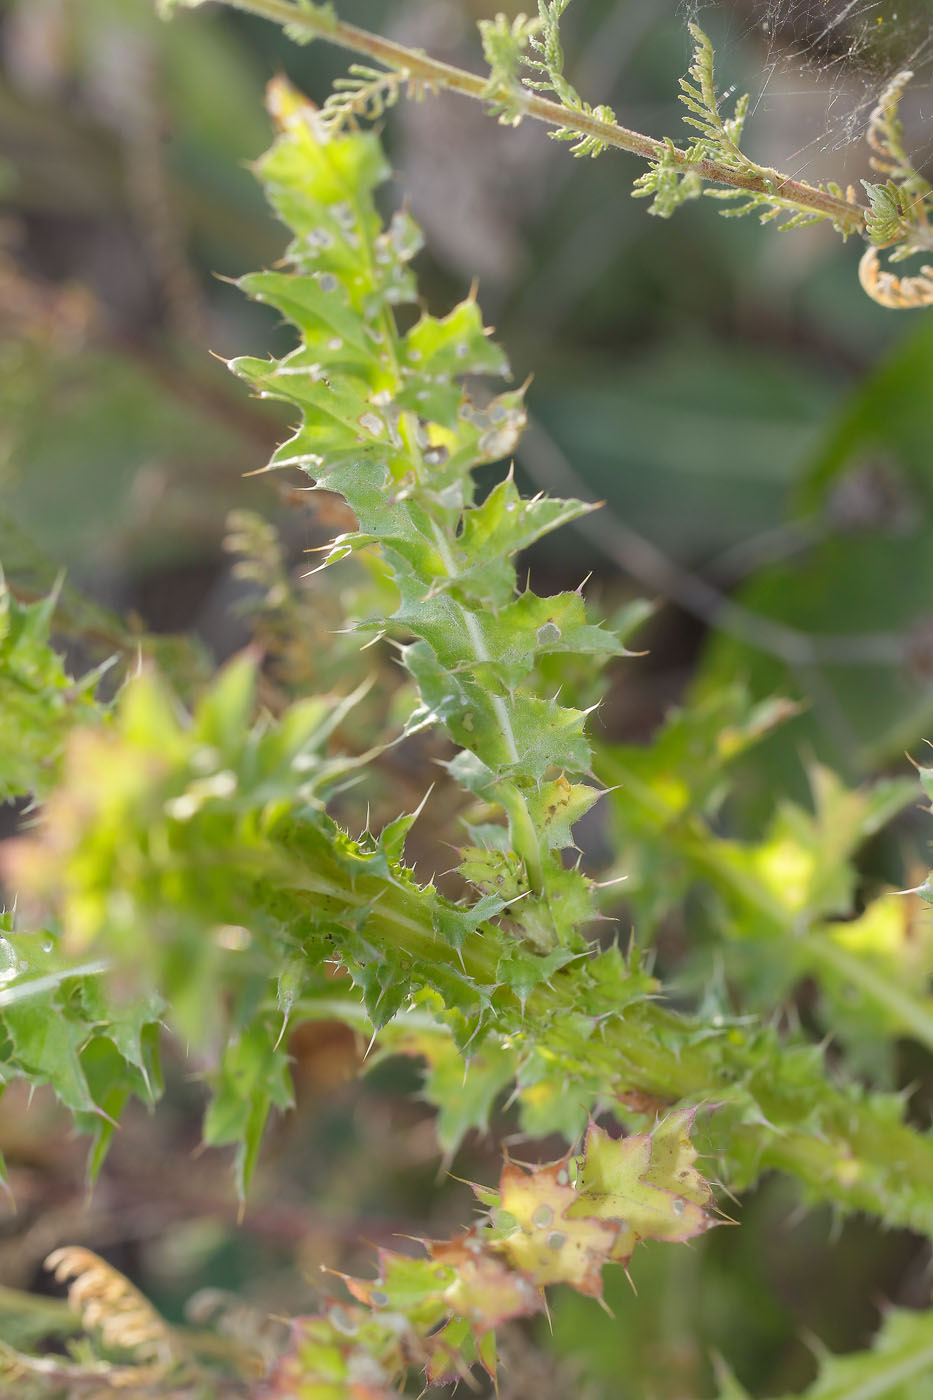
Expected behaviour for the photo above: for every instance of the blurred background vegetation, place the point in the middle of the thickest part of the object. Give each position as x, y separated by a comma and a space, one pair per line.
757, 428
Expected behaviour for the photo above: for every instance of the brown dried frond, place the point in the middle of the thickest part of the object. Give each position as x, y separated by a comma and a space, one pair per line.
108, 1303
898, 293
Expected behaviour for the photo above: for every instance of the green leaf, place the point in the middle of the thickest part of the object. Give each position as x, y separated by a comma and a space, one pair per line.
40, 703
252, 1078
491, 533
557, 806
61, 1025
226, 709
464, 1091
45, 1048
454, 345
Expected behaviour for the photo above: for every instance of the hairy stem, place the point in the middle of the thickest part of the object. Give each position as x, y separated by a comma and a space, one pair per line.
842, 1145
431, 72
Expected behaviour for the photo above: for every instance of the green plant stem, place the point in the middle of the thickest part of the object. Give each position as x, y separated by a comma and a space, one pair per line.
521, 827
809, 943
913, 1013
431, 72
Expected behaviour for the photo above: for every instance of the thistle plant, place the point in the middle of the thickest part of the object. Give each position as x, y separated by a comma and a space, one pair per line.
192, 869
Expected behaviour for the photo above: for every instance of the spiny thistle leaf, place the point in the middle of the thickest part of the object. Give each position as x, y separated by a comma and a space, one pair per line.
60, 1028
39, 702
646, 1183
560, 1223
251, 1079
324, 17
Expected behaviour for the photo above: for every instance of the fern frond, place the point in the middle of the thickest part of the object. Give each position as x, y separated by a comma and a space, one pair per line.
896, 293
114, 1308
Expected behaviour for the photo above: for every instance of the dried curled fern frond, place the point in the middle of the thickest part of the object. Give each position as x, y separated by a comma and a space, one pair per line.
133, 1354
25, 1377
111, 1306
898, 293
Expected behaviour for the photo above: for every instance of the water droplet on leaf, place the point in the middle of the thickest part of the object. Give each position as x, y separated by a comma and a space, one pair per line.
342, 1322
7, 961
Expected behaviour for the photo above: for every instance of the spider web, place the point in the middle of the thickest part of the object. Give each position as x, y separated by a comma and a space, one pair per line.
824, 64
